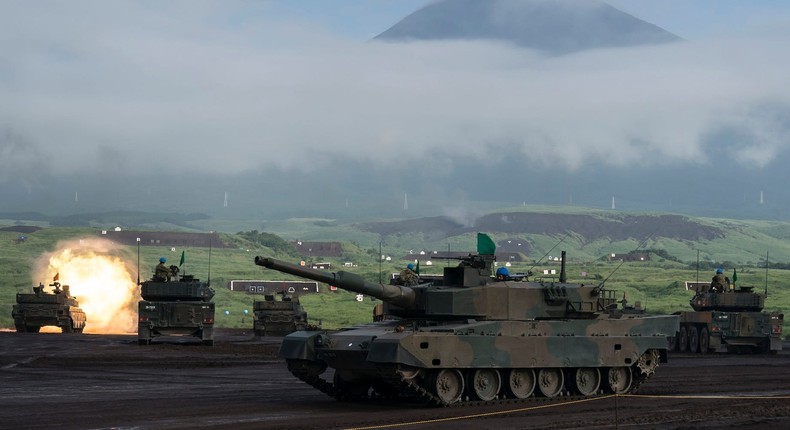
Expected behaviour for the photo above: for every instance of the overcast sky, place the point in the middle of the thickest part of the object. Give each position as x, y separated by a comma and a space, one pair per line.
121, 86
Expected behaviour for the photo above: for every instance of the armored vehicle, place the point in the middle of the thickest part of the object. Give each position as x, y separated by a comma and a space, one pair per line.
278, 317
728, 321
176, 308
42, 308
471, 338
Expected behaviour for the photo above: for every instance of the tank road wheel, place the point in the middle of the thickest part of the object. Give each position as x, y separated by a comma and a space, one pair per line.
32, 328
648, 362
485, 384
587, 380
683, 339
408, 372
550, 382
704, 340
521, 383
619, 379
448, 385
693, 339
20, 328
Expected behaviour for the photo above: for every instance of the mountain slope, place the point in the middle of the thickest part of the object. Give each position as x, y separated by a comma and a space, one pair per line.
553, 26
593, 234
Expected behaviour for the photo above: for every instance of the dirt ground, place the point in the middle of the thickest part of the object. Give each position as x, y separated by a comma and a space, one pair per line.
71, 381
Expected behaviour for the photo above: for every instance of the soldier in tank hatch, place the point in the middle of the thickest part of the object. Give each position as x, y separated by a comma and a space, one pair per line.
502, 274
719, 282
162, 273
408, 276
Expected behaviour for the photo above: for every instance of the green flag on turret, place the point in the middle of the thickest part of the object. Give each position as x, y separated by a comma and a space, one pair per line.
485, 246
734, 276
182, 258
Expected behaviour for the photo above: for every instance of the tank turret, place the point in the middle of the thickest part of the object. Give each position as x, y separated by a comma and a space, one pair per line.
186, 289
468, 335
742, 299
469, 291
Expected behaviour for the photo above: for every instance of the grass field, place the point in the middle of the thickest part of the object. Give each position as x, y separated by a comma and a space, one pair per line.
657, 284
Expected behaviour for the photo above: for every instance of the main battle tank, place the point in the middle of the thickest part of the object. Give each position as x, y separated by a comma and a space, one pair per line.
471, 338
58, 308
728, 321
176, 308
278, 317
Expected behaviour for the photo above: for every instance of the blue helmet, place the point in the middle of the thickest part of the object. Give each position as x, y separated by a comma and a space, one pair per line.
719, 271
502, 271
162, 259
410, 266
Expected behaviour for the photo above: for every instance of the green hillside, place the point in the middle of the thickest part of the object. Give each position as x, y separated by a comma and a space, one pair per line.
657, 284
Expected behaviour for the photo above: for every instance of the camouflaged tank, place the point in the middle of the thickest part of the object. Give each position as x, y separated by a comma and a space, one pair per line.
42, 308
278, 317
471, 339
177, 308
728, 321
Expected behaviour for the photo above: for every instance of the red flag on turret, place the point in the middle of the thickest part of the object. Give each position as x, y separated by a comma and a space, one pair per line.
56, 277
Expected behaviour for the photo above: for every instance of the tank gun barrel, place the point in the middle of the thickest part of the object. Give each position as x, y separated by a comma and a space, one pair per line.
395, 294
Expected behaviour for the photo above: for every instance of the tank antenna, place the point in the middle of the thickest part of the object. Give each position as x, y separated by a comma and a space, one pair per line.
381, 257
549, 251
697, 267
209, 262
766, 273
138, 261
641, 244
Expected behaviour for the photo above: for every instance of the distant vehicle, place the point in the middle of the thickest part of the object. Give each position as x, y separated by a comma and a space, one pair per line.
729, 321
278, 317
42, 308
176, 308
470, 337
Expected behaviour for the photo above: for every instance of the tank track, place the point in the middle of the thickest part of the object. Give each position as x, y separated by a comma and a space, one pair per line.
405, 389
307, 375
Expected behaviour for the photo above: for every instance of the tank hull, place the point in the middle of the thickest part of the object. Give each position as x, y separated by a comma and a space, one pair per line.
194, 319
278, 318
374, 358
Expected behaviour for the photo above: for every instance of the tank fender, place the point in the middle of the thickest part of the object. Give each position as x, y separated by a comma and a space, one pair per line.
389, 350
300, 345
